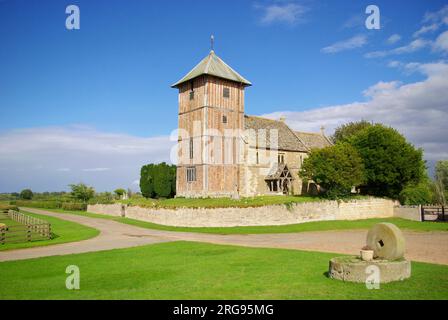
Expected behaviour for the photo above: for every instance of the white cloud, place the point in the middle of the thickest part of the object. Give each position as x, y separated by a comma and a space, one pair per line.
419, 110
441, 43
381, 88
355, 21
289, 13
433, 21
348, 44
426, 29
440, 16
393, 38
394, 64
415, 45
80, 153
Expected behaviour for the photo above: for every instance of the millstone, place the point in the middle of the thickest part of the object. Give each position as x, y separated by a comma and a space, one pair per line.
353, 269
387, 241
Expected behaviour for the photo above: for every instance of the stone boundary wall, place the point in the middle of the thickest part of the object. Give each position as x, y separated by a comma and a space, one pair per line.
259, 216
408, 212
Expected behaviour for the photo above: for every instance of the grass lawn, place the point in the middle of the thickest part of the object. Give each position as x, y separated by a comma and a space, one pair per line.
62, 232
301, 227
185, 270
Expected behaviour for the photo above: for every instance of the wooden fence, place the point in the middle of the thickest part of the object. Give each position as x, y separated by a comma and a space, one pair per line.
25, 228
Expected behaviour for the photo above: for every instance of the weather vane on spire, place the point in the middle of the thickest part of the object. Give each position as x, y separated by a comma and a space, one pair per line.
212, 42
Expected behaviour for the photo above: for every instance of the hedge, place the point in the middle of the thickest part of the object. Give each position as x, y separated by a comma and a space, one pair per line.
75, 206
7, 207
50, 204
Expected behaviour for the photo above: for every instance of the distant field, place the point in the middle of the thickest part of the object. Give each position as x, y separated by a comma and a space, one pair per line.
301, 227
62, 231
184, 270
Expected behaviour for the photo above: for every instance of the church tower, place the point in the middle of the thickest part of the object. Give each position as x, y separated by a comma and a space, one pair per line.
211, 120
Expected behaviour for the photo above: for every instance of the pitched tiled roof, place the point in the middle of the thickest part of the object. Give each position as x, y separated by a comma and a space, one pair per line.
287, 140
313, 140
213, 65
277, 171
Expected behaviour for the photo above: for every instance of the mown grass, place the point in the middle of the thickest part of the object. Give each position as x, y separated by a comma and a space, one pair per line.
301, 227
62, 232
184, 270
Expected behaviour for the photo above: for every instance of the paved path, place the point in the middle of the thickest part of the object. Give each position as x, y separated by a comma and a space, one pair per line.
421, 246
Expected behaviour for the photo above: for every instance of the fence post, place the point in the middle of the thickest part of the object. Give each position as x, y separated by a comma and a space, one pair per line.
443, 212
3, 235
28, 232
422, 213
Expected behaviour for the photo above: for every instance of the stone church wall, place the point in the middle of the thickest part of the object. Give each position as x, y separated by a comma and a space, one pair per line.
260, 216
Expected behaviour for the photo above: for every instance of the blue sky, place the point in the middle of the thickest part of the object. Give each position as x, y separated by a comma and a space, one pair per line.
110, 80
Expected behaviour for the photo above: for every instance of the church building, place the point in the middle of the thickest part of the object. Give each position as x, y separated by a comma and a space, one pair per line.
222, 152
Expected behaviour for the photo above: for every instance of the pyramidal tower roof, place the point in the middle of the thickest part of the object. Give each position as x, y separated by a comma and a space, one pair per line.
214, 66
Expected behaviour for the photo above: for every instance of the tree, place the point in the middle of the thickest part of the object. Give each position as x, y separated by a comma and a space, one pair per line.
165, 179
158, 180
442, 173
421, 193
120, 192
336, 169
26, 194
82, 192
345, 131
391, 163
147, 181
439, 192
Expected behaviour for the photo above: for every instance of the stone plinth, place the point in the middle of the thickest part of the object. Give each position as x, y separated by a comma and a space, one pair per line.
353, 269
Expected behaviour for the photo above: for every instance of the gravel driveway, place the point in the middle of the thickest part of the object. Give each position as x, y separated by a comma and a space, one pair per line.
429, 247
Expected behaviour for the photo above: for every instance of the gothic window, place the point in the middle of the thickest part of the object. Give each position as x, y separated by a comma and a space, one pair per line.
191, 174
226, 93
191, 148
224, 119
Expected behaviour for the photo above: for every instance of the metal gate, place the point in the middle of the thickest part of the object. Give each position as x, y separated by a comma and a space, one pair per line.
433, 213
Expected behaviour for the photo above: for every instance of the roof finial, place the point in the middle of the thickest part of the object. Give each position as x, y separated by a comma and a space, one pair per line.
322, 130
212, 42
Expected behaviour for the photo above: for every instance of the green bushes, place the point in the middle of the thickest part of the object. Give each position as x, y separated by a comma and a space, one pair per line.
38, 204
390, 162
158, 180
376, 159
82, 192
74, 206
26, 194
336, 168
6, 207
50, 204
417, 194
101, 200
